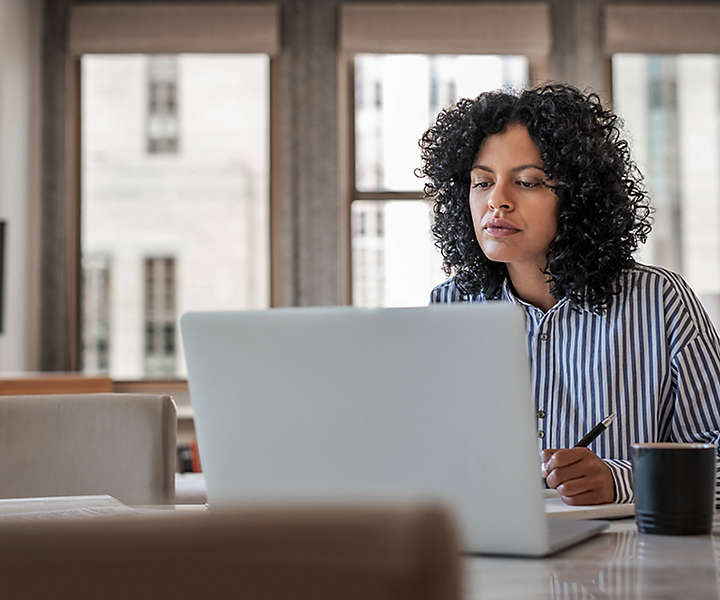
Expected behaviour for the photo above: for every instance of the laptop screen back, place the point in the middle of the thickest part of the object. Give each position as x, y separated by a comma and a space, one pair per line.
326, 403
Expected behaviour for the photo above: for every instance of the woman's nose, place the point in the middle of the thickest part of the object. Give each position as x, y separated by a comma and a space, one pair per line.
499, 198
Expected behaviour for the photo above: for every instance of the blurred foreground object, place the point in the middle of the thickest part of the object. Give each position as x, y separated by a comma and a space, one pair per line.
325, 551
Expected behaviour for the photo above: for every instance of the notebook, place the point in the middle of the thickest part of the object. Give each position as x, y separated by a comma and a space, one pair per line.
354, 404
555, 508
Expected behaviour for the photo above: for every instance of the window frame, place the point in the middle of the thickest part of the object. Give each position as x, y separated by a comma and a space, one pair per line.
662, 29
445, 29
102, 28
537, 71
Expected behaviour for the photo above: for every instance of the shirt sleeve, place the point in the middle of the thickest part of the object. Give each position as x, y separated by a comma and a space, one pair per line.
444, 293
695, 413
696, 402
691, 411
622, 479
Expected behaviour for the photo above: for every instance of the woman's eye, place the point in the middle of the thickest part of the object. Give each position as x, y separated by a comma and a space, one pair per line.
529, 184
482, 184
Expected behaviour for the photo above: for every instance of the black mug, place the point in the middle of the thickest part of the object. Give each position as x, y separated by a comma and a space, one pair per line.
674, 487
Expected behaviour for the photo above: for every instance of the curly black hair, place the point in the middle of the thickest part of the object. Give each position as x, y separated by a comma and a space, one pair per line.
604, 211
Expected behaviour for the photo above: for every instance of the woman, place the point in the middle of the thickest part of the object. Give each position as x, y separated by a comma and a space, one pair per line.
537, 202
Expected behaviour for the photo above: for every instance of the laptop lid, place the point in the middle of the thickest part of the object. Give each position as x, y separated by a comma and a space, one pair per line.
312, 403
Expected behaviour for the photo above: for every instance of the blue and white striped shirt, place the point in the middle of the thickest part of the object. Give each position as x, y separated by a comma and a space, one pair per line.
653, 359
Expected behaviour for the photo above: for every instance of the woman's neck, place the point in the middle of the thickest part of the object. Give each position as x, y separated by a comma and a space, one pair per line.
531, 285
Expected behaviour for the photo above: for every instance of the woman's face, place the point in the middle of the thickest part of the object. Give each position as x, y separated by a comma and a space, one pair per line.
514, 213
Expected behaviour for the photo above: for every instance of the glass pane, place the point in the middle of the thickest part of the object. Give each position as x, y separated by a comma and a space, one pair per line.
175, 201
398, 96
394, 260
96, 268
671, 107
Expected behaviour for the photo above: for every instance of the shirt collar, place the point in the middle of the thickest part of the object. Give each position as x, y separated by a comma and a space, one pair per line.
509, 296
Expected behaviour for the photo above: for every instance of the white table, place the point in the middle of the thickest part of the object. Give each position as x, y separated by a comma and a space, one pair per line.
619, 563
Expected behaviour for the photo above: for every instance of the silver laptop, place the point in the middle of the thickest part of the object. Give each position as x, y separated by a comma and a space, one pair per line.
340, 403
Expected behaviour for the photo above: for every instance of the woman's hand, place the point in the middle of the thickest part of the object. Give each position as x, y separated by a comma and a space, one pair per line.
579, 475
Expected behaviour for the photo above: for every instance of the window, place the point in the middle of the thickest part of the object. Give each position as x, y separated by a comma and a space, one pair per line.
671, 107
96, 314
160, 316
175, 188
394, 260
162, 120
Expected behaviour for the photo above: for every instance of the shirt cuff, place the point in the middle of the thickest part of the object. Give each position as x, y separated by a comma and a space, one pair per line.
622, 478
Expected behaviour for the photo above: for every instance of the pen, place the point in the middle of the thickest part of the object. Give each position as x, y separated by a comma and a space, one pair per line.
587, 439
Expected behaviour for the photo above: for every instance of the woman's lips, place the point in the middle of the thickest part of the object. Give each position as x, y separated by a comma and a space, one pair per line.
501, 231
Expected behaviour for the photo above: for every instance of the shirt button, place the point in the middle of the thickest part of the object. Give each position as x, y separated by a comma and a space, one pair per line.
541, 414
541, 434
543, 337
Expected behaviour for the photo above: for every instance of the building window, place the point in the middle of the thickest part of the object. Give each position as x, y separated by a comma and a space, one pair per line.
670, 105
378, 95
96, 312
162, 119
160, 316
394, 260
208, 206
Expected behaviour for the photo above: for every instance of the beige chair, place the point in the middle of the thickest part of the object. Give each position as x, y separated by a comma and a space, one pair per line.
326, 552
68, 445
